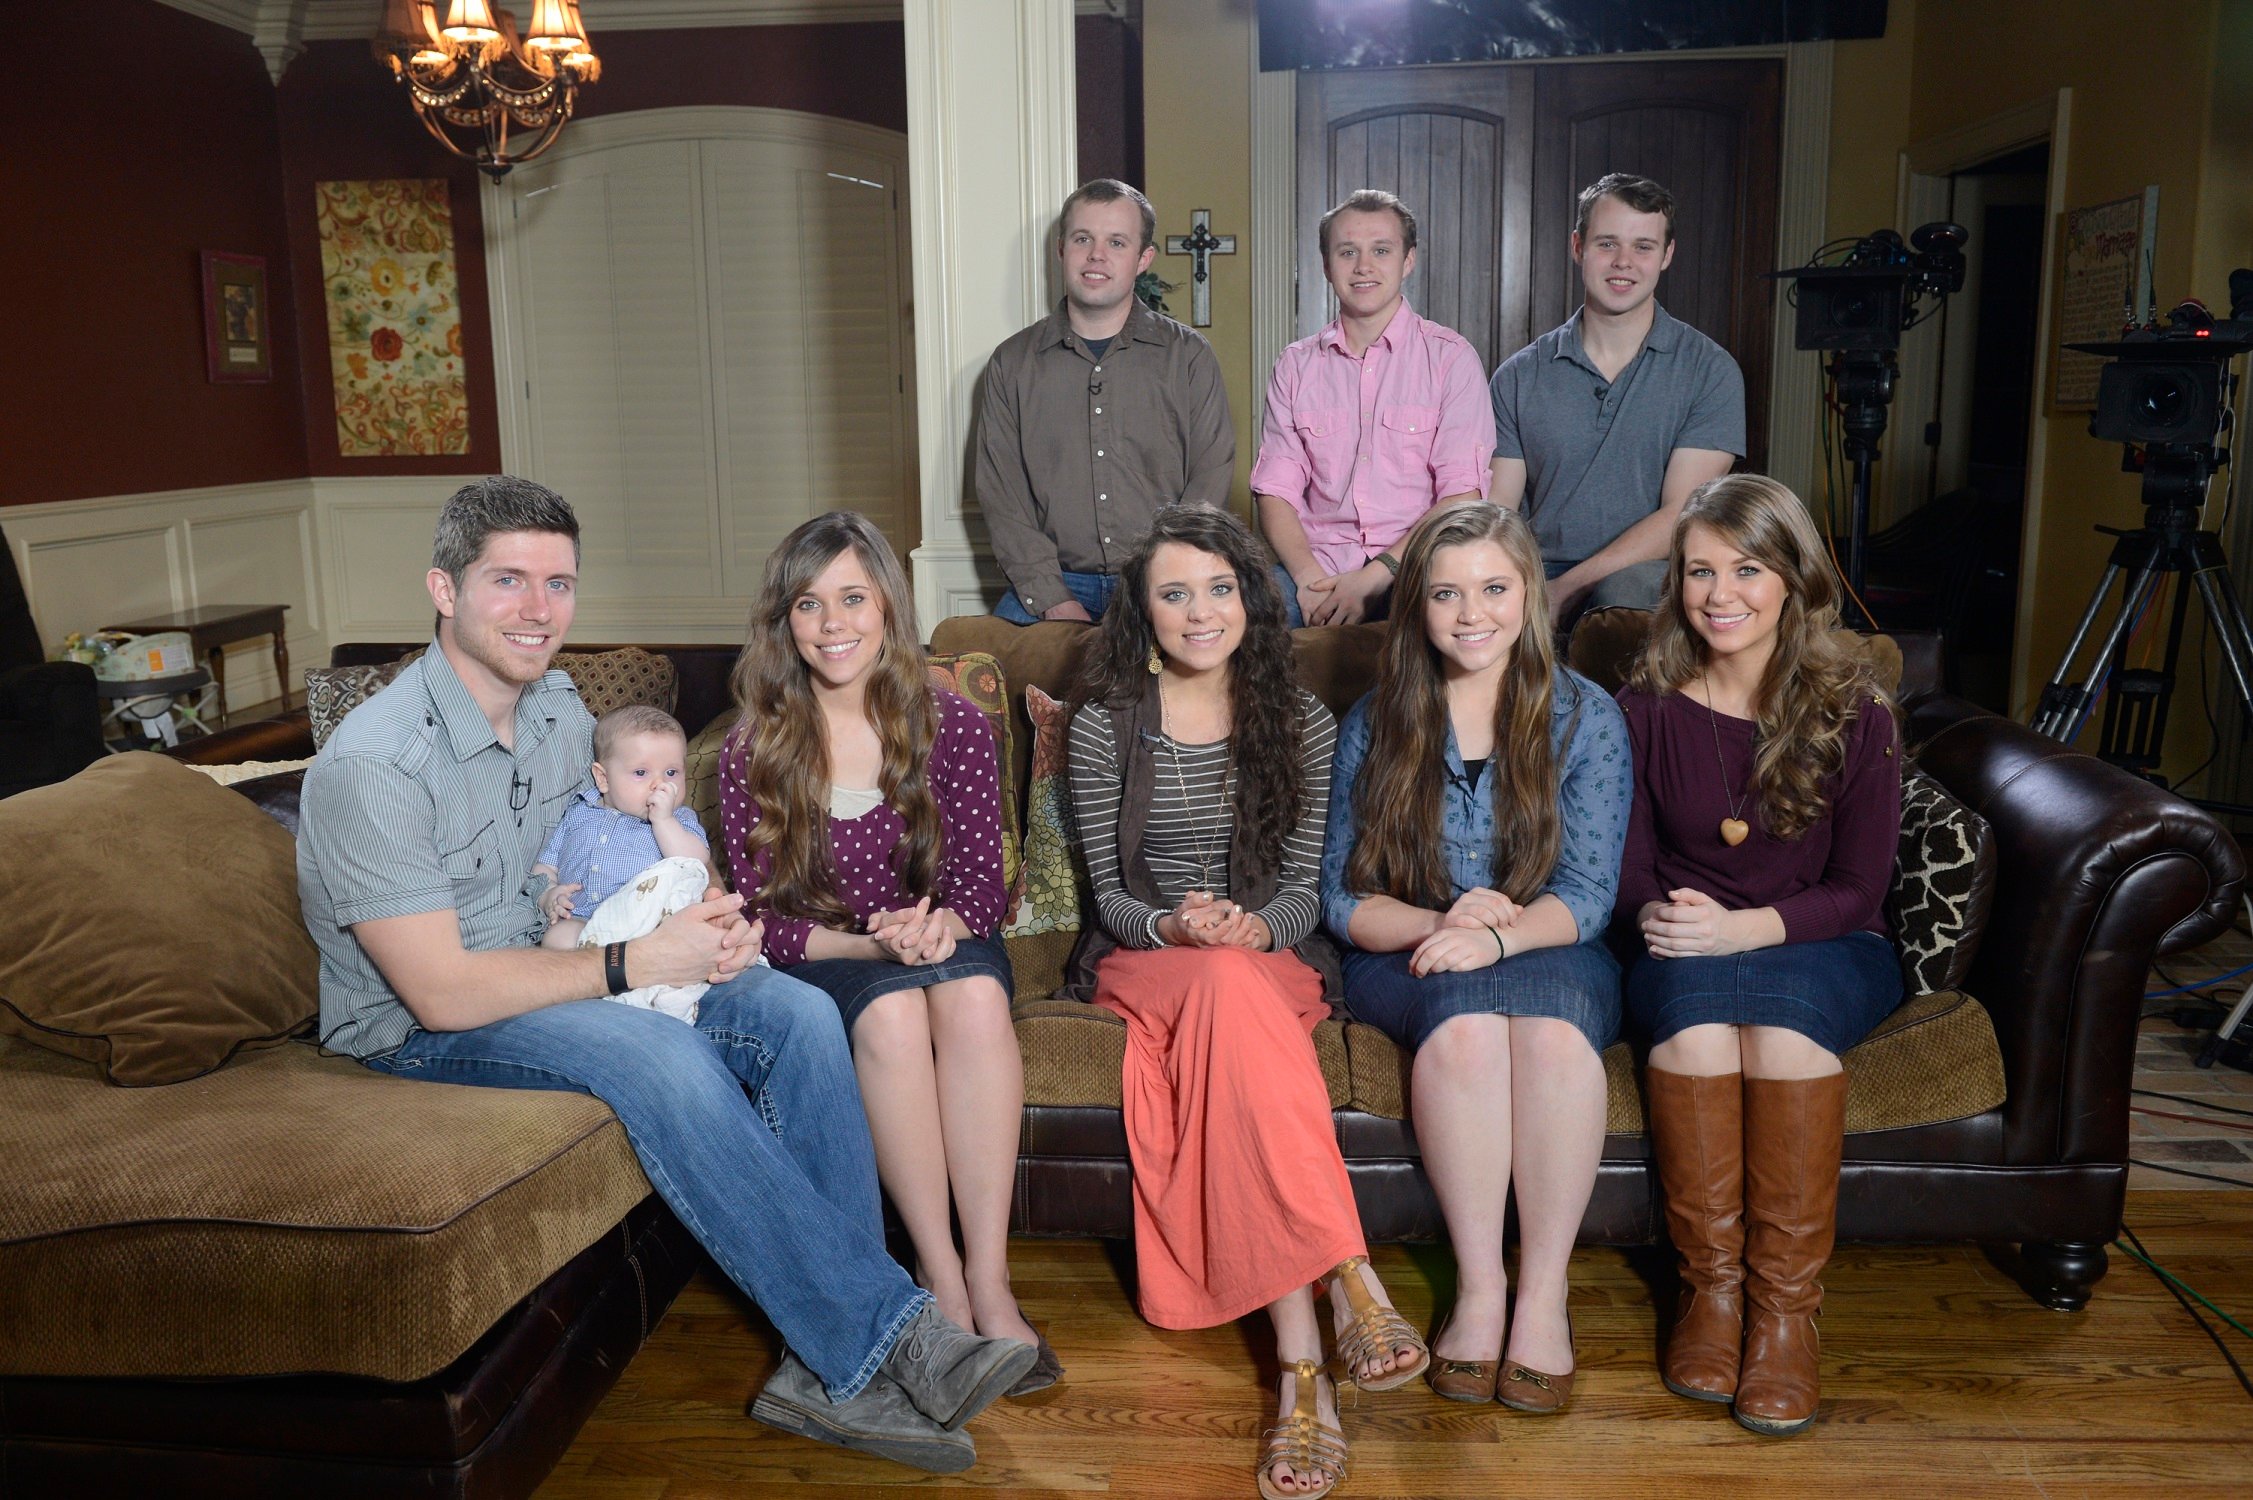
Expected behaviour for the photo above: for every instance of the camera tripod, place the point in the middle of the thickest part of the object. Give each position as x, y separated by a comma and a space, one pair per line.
2169, 543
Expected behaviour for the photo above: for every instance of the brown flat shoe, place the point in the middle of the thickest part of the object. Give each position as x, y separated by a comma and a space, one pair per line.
1463, 1379
1529, 1390
1046, 1371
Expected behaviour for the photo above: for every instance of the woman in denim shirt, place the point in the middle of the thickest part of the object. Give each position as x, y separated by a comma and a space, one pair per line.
1477, 810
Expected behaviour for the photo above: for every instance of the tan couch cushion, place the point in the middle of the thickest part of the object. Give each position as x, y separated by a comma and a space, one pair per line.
1605, 643
1934, 1059
290, 1212
153, 930
1074, 1051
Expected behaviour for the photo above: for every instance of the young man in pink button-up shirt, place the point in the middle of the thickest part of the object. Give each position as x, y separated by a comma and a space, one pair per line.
1370, 423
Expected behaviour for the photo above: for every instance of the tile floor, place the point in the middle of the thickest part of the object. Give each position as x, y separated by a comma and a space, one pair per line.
2166, 1062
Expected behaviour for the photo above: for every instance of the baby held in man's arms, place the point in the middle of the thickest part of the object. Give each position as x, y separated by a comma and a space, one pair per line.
627, 854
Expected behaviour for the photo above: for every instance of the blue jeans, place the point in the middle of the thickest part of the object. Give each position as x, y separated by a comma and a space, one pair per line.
1832, 992
1578, 983
1092, 590
1294, 618
748, 1124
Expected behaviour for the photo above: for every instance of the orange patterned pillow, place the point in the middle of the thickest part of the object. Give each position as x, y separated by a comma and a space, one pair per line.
1055, 877
977, 676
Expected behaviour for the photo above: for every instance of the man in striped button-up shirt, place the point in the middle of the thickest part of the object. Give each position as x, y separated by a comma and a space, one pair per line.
419, 825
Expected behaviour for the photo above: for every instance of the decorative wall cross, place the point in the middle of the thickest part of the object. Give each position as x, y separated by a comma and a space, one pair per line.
1201, 245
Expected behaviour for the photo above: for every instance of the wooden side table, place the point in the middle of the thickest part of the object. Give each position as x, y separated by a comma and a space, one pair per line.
212, 627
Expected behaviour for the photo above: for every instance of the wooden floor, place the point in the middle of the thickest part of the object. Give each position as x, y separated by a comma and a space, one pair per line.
1942, 1379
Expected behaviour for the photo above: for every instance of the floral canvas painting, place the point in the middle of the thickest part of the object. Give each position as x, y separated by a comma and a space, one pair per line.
394, 314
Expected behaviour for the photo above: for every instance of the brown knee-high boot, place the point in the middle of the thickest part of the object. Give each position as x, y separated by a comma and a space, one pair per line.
1794, 1130
1697, 1131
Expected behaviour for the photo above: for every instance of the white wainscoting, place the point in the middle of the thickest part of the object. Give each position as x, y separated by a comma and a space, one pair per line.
347, 555
90, 563
375, 550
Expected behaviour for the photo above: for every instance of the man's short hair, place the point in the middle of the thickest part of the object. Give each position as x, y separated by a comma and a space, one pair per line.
635, 718
1639, 193
1109, 190
480, 510
1369, 201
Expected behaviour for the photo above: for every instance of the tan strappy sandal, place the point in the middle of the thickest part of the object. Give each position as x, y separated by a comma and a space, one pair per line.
1375, 1330
1303, 1442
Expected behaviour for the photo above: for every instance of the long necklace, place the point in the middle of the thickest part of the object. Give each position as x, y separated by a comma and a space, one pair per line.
1188, 809
1733, 827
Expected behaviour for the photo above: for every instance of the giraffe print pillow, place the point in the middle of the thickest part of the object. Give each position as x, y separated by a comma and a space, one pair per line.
1943, 886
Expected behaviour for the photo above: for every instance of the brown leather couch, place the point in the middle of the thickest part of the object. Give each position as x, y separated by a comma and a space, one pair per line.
2014, 1132
2098, 874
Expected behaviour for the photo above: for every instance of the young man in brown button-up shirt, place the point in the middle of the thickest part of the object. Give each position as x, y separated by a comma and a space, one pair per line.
1094, 417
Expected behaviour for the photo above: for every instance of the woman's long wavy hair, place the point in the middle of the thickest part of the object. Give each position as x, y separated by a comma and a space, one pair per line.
785, 748
1398, 851
1813, 686
1263, 703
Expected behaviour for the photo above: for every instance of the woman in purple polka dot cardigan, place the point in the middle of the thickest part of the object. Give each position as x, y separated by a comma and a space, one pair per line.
861, 812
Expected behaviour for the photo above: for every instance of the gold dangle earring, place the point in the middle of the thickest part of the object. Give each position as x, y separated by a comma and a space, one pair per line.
1156, 662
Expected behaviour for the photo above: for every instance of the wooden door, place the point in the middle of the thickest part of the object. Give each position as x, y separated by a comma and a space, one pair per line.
1709, 131
1492, 156
1456, 143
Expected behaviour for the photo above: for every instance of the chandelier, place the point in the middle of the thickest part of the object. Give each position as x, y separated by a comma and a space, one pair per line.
488, 95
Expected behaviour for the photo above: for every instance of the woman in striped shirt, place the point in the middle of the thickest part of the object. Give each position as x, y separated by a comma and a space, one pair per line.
1200, 774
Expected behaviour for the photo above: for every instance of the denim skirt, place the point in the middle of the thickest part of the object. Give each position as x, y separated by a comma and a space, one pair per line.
1579, 984
1833, 992
854, 982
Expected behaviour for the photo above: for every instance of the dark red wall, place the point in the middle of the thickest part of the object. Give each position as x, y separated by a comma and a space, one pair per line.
1108, 54
853, 72
345, 120
190, 147
137, 136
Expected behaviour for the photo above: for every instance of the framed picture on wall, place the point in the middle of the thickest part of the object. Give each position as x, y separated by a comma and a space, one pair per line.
237, 343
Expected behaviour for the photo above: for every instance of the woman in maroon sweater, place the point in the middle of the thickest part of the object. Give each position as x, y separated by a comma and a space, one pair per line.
1759, 850
861, 813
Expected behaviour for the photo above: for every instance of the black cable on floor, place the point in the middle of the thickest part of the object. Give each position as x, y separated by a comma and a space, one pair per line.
2196, 1316
2236, 1182
2187, 1099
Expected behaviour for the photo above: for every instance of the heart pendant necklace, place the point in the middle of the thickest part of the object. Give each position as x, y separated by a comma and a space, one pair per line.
1734, 829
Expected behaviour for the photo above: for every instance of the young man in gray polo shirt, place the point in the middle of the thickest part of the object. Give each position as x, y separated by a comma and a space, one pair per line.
419, 825
1604, 426
1095, 416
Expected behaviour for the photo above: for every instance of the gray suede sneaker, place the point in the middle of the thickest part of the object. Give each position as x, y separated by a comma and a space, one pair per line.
880, 1420
951, 1376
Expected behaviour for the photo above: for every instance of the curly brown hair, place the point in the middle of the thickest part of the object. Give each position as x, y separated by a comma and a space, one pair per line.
1813, 685
781, 743
1263, 699
1397, 851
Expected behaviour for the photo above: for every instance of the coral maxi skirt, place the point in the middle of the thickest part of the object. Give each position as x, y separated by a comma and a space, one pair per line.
1240, 1195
